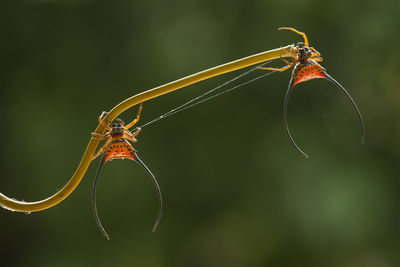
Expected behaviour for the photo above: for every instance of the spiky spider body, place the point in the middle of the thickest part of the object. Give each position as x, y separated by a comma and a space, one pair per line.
306, 71
118, 146
306, 68
119, 149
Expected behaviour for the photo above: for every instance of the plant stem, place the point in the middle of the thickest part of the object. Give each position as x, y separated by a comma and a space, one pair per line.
21, 206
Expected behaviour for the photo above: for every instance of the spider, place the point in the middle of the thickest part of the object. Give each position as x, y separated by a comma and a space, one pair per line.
306, 68
118, 147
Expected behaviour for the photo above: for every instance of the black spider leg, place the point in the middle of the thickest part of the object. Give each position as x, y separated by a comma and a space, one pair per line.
285, 107
154, 180
96, 214
329, 78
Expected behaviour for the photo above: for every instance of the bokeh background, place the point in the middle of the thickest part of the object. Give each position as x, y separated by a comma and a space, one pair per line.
236, 192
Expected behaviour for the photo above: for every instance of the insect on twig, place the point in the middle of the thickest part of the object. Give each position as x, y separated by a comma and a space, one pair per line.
118, 146
306, 68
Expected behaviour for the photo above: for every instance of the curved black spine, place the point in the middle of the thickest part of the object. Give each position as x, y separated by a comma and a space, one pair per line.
285, 108
329, 78
154, 180
96, 214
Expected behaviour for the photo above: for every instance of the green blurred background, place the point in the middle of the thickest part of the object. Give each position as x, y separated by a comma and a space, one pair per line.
236, 192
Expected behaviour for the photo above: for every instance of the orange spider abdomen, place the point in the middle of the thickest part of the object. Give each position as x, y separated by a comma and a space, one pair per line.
119, 149
305, 72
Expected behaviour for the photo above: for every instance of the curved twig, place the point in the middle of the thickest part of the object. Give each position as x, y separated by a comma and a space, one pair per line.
21, 206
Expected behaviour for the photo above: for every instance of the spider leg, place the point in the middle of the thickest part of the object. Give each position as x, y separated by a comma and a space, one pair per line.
96, 214
154, 180
319, 59
128, 133
101, 149
285, 108
131, 136
277, 69
125, 136
287, 62
98, 136
138, 130
315, 51
137, 118
329, 78
101, 121
296, 31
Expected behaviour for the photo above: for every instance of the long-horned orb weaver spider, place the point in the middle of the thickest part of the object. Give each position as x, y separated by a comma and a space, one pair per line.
118, 147
306, 68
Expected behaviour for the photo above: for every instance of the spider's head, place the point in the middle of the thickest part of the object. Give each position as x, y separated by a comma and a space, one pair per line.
304, 53
117, 128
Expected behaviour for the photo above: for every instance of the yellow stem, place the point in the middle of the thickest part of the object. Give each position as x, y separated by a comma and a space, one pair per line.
15, 205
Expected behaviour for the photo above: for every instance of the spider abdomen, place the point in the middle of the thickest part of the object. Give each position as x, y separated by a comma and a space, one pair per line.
305, 72
119, 149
